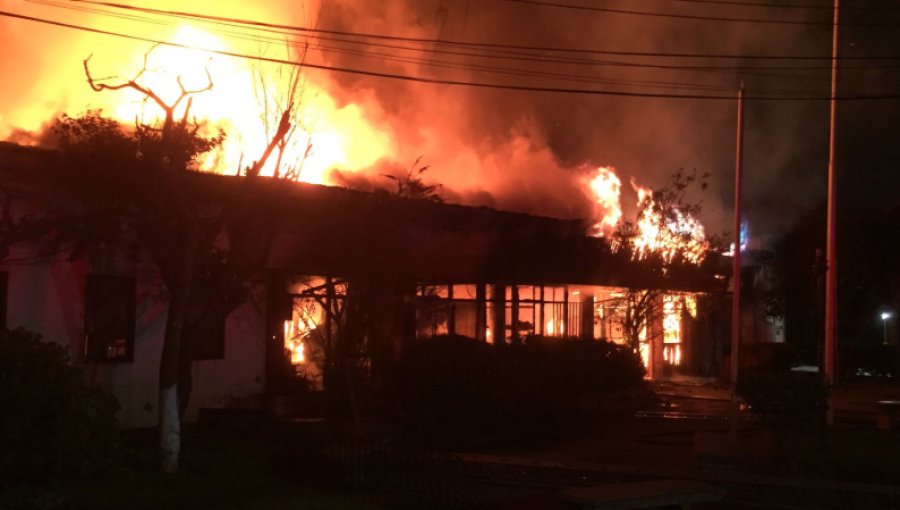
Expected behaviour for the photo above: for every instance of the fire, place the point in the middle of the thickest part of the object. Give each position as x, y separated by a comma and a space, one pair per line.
606, 187
673, 307
555, 327
328, 135
679, 233
295, 333
672, 354
690, 304
671, 319
338, 126
644, 346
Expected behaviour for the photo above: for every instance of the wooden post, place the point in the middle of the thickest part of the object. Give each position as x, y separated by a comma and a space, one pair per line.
540, 329
480, 312
498, 304
587, 317
451, 314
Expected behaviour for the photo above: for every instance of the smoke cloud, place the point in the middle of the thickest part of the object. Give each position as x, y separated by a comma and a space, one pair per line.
522, 151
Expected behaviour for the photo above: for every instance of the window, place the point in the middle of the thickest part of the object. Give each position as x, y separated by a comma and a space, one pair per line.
4, 289
109, 318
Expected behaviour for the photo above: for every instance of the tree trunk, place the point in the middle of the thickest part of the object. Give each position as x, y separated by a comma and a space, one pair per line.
169, 416
189, 332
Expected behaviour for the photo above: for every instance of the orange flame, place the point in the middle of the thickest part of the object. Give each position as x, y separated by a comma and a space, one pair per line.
296, 331
680, 234
605, 187
327, 136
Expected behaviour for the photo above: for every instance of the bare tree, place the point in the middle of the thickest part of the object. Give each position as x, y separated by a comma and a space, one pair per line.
670, 212
200, 274
283, 92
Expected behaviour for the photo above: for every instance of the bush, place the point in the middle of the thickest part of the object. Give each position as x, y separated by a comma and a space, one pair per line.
784, 398
591, 368
460, 392
52, 425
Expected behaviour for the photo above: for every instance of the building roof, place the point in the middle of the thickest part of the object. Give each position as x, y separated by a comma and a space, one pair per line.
339, 232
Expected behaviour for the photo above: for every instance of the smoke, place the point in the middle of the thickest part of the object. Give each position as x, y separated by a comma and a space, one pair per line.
522, 151
528, 151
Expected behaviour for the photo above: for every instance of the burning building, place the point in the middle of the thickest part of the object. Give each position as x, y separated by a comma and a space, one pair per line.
412, 268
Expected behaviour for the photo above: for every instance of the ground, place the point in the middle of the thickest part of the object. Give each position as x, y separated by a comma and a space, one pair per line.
852, 465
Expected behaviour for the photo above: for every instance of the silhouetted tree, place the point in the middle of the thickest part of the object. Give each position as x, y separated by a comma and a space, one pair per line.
204, 251
669, 211
412, 184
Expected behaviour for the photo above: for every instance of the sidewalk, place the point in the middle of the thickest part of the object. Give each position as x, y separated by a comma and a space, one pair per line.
853, 400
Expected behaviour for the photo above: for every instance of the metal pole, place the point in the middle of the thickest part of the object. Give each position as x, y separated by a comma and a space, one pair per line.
736, 261
831, 243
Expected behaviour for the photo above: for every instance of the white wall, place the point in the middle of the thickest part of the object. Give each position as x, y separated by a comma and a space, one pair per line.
49, 298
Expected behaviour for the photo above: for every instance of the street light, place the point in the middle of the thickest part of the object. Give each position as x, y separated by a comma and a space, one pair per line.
885, 316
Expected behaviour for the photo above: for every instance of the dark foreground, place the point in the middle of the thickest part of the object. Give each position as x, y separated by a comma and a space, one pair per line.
290, 466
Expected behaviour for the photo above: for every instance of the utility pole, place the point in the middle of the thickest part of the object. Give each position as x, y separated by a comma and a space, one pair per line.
831, 242
736, 262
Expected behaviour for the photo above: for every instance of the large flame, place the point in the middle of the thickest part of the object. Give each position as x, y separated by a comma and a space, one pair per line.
341, 125
677, 233
606, 187
327, 136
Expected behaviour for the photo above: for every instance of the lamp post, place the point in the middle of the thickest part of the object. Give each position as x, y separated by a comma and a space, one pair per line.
885, 316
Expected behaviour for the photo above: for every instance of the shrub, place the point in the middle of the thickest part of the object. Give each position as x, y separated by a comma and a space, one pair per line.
784, 398
52, 425
458, 391
591, 368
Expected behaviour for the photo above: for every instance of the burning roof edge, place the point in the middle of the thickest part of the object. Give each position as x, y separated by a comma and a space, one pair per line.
325, 228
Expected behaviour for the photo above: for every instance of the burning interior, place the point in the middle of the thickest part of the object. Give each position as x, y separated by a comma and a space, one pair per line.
662, 337
362, 274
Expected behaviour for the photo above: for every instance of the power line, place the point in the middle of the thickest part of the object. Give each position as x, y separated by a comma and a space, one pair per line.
526, 57
822, 7
265, 26
745, 71
437, 81
693, 17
